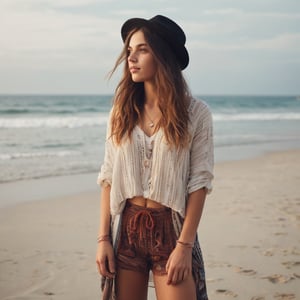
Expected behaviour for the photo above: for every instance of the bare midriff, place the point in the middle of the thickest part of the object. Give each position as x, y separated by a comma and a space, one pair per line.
145, 202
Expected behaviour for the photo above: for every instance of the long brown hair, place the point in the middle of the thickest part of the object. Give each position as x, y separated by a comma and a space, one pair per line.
171, 88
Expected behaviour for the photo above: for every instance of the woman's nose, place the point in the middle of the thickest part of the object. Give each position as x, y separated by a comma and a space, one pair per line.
132, 57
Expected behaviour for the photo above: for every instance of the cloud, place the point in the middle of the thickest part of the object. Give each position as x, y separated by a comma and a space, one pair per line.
56, 39
38, 4
235, 12
225, 11
289, 42
69, 36
142, 13
283, 42
48, 30
233, 29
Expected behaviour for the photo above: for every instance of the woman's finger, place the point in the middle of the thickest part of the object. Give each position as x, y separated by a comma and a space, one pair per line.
98, 267
111, 265
170, 275
185, 274
175, 277
103, 268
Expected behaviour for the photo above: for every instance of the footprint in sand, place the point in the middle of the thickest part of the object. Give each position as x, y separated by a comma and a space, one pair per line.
216, 264
258, 298
49, 261
290, 264
276, 278
214, 279
284, 296
280, 233
226, 293
238, 246
248, 272
7, 261
293, 251
296, 275
269, 252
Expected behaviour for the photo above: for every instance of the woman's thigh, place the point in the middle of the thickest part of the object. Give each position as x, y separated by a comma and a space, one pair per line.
131, 285
182, 291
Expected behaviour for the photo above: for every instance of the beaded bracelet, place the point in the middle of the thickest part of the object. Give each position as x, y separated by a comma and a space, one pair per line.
103, 238
188, 245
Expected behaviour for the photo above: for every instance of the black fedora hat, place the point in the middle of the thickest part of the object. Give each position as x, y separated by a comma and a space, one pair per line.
167, 29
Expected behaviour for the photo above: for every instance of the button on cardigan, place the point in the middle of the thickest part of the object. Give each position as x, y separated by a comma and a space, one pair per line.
175, 172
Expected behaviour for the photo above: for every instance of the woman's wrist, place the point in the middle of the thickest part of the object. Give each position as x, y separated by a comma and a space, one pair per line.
103, 238
185, 244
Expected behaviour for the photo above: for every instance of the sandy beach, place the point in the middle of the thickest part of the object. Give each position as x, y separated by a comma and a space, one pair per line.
249, 235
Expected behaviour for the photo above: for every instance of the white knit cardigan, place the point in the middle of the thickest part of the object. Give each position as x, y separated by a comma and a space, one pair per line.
174, 173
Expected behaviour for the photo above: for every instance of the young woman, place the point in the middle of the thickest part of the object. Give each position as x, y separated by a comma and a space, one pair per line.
157, 170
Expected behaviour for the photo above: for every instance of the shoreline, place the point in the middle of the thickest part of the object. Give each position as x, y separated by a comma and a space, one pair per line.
46, 188
249, 235
49, 187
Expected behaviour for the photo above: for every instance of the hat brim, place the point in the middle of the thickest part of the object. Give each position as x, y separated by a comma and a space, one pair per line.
131, 24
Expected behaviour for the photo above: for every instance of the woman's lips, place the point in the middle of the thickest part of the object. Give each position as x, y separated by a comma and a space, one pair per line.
134, 69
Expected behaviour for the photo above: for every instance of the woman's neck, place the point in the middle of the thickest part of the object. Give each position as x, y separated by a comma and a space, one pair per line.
151, 99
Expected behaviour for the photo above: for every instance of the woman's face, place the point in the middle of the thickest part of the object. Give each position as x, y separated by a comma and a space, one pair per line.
141, 62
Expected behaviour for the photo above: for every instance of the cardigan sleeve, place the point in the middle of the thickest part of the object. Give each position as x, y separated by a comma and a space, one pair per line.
202, 153
105, 174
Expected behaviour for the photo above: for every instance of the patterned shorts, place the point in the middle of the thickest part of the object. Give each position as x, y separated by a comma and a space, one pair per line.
147, 239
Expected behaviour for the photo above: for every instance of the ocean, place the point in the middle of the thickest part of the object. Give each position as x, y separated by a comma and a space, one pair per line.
51, 135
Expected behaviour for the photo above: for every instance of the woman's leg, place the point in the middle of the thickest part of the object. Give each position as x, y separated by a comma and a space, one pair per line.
131, 285
184, 290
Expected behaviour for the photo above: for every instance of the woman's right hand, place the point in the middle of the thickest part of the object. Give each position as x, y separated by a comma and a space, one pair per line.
105, 259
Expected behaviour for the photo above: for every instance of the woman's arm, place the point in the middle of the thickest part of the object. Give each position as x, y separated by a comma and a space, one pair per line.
104, 227
179, 265
194, 210
105, 254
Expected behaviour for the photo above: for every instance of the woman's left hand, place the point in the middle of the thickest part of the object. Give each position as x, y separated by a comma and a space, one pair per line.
179, 265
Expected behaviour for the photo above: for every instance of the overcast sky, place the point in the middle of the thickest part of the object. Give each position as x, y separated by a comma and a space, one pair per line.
68, 46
